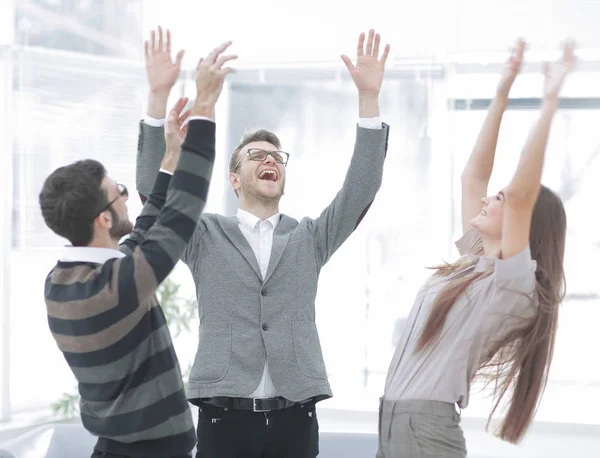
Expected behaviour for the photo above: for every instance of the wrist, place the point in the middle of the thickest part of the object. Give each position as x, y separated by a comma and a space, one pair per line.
368, 105
169, 163
203, 108
157, 104
550, 102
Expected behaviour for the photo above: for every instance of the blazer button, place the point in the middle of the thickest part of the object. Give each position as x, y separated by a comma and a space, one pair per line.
263, 292
265, 327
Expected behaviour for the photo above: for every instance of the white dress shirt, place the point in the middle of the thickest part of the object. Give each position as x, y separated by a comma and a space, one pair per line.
259, 234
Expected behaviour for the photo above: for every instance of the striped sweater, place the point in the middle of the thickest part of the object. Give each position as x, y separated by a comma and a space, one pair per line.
106, 319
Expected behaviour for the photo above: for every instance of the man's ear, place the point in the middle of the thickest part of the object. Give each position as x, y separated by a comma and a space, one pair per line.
234, 180
104, 220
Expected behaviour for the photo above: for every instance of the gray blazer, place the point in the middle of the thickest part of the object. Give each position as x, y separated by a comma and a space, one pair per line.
245, 318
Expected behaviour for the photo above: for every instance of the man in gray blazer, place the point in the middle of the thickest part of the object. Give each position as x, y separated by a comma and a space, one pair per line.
259, 369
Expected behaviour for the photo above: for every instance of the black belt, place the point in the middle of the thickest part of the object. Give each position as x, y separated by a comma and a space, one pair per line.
256, 405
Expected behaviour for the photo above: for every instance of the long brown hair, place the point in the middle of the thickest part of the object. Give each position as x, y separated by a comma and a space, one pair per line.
521, 361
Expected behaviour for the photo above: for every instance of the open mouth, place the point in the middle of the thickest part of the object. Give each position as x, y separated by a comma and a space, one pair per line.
268, 175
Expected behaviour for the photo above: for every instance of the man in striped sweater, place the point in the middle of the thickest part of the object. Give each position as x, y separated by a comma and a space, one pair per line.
100, 297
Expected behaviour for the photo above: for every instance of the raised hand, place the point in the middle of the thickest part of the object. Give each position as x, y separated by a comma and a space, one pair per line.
367, 74
556, 72
511, 68
162, 72
175, 131
210, 76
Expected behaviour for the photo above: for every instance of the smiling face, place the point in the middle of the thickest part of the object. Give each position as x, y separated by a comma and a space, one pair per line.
262, 180
489, 221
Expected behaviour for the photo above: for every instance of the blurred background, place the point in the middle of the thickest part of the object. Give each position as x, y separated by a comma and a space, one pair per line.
73, 86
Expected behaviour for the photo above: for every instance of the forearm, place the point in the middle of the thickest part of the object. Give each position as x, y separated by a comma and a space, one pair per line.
481, 162
362, 182
527, 178
157, 104
152, 207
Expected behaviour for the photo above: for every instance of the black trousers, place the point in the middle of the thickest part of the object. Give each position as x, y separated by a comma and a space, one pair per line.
288, 433
97, 454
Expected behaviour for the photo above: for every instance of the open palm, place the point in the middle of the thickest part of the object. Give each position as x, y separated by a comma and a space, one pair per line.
367, 74
162, 72
556, 72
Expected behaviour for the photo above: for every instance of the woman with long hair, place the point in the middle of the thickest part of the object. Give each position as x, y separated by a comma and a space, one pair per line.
492, 313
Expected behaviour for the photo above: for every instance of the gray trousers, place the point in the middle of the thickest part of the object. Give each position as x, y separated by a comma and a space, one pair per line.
420, 429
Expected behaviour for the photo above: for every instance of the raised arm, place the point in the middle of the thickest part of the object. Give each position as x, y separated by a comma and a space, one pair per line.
162, 75
522, 192
154, 258
174, 133
363, 179
476, 174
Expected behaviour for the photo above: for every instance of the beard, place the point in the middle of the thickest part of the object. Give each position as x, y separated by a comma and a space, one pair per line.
120, 228
253, 190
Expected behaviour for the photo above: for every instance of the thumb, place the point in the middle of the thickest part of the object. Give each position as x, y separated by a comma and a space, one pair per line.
348, 62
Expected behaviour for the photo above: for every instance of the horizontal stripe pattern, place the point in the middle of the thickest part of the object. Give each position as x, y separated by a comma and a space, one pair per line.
112, 331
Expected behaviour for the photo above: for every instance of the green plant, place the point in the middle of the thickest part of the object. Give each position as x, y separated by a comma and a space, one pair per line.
179, 313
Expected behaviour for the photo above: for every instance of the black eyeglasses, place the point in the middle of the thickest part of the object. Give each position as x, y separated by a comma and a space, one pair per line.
257, 154
123, 192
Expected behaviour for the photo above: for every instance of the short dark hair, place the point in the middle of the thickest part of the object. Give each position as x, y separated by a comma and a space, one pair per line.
260, 135
71, 198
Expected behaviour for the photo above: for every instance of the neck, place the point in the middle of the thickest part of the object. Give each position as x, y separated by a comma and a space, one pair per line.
262, 210
491, 248
104, 242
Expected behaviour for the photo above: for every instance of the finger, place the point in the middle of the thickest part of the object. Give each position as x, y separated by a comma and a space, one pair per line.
361, 44
226, 71
200, 62
153, 43
180, 105
146, 49
212, 57
376, 48
184, 129
369, 50
348, 62
160, 39
569, 52
183, 117
386, 51
545, 68
221, 60
179, 58
168, 45
172, 119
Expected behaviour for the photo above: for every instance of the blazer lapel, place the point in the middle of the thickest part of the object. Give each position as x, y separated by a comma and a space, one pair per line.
281, 237
232, 231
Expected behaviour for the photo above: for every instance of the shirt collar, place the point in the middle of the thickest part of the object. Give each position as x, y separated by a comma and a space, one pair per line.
250, 221
89, 254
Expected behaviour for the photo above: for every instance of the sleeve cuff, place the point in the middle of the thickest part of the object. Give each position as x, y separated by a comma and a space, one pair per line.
191, 118
166, 171
153, 121
370, 123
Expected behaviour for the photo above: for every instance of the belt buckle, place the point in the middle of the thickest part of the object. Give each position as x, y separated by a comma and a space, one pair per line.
254, 409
